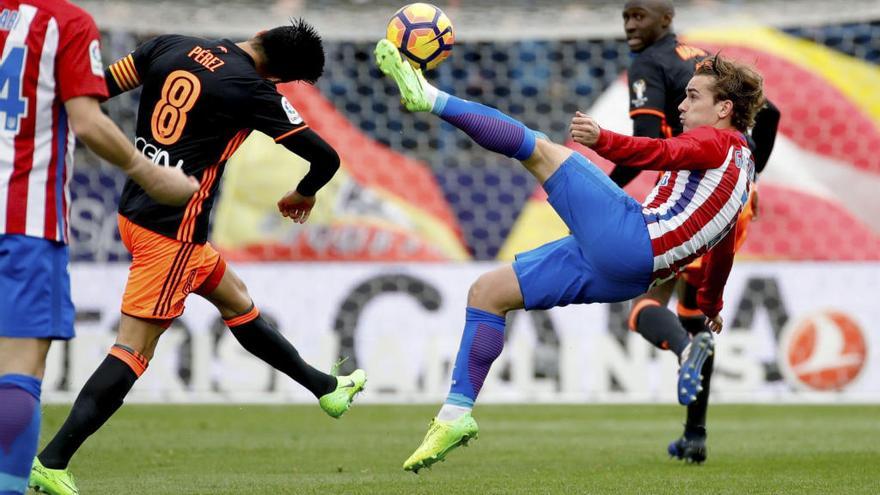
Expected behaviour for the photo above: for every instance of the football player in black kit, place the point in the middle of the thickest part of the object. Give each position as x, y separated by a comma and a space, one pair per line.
658, 75
200, 100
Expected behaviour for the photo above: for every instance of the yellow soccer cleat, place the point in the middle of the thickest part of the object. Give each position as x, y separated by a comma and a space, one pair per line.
442, 437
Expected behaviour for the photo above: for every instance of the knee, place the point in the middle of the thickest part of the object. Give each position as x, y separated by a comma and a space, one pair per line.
488, 293
232, 297
480, 294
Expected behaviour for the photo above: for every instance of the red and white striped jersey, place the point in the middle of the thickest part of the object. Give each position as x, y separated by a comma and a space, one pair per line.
697, 200
50, 53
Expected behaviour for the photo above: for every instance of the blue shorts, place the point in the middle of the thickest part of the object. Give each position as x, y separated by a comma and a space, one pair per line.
608, 256
36, 288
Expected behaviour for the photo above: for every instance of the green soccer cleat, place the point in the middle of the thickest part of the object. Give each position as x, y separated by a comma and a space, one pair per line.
338, 401
442, 437
409, 80
52, 481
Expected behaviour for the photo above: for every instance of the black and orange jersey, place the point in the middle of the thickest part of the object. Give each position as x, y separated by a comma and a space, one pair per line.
201, 98
658, 78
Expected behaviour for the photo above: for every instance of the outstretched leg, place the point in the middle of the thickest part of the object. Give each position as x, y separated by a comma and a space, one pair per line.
489, 299
487, 126
261, 339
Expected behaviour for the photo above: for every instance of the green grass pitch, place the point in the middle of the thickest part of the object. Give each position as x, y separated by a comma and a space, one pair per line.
532, 449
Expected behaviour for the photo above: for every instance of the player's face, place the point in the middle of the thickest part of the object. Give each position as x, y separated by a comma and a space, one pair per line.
699, 106
643, 25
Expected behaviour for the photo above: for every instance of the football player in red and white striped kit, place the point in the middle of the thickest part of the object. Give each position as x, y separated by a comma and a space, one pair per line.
618, 248
51, 80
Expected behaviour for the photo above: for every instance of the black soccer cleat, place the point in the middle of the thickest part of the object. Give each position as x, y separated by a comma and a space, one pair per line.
691, 450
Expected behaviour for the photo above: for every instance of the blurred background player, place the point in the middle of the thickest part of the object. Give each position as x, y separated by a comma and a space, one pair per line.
657, 78
53, 80
615, 250
201, 98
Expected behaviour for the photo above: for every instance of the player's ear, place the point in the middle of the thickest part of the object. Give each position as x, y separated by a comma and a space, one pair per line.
724, 109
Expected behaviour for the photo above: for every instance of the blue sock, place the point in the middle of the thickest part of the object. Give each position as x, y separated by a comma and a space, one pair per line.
488, 127
481, 344
19, 430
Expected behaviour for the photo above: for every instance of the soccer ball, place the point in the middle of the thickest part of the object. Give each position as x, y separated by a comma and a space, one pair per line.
422, 33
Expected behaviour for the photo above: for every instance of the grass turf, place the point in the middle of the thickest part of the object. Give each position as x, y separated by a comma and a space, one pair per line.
522, 449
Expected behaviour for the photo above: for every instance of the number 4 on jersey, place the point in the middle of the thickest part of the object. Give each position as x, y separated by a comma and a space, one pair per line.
12, 105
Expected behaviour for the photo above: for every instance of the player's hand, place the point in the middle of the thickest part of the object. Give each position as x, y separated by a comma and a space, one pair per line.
295, 206
584, 130
166, 185
715, 324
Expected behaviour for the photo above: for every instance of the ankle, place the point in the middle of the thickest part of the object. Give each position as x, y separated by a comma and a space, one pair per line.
693, 432
451, 412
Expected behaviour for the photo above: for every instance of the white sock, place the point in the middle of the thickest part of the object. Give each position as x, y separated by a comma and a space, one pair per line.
431, 93
449, 412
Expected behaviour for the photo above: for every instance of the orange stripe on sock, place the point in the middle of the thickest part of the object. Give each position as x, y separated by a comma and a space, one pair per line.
136, 361
639, 306
688, 312
242, 319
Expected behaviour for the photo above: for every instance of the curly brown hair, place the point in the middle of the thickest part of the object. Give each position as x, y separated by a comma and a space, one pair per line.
739, 83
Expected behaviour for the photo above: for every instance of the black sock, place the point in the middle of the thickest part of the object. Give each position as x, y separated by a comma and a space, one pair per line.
696, 410
101, 396
661, 328
265, 342
693, 325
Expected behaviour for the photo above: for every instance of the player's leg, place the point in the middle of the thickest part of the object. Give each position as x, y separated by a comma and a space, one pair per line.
692, 444
228, 293
104, 392
153, 297
22, 361
652, 320
35, 308
487, 126
591, 205
489, 299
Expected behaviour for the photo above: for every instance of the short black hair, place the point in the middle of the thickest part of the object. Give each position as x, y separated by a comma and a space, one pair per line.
293, 53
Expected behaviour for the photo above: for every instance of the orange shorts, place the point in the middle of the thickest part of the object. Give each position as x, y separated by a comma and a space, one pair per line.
164, 271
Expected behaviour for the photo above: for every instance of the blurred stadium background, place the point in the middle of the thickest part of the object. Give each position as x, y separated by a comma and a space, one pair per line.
417, 211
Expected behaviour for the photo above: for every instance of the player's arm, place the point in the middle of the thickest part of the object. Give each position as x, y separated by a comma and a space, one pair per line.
647, 97
271, 113
717, 264
323, 164
125, 74
168, 185
645, 125
697, 149
122, 76
764, 134
323, 160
